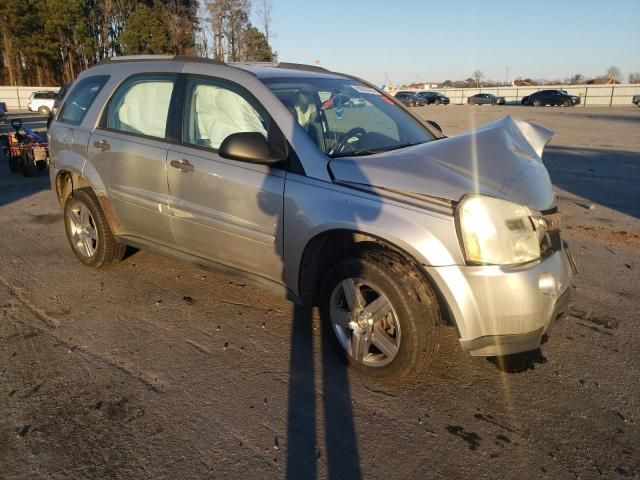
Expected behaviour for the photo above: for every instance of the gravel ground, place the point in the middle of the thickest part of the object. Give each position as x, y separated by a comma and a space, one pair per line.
158, 369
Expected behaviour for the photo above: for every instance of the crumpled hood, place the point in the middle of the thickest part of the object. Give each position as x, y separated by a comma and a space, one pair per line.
502, 159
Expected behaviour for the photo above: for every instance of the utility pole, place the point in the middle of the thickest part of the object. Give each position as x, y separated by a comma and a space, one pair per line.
506, 77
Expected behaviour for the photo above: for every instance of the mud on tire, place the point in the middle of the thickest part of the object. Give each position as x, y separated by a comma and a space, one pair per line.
104, 250
413, 302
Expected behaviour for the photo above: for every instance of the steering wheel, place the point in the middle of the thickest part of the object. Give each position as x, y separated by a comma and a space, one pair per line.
342, 141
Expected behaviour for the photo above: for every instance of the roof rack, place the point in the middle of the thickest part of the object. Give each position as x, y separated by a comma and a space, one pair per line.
147, 58
301, 66
287, 65
187, 58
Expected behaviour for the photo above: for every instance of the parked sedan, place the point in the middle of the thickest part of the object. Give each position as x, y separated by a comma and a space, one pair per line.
434, 98
485, 99
551, 97
410, 99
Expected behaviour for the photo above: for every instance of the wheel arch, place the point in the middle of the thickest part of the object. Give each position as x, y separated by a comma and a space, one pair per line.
69, 180
330, 246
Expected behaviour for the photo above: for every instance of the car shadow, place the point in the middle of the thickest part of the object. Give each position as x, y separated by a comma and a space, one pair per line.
633, 117
519, 362
303, 452
605, 176
14, 187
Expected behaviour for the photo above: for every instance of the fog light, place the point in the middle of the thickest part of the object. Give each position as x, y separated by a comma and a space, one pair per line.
547, 283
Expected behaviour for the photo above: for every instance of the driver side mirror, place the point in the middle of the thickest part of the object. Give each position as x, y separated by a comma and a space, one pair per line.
249, 147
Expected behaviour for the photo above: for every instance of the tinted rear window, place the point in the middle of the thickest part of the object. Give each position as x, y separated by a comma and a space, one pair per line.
80, 99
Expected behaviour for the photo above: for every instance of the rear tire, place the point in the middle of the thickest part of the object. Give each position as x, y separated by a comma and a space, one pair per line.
537, 103
28, 164
14, 164
398, 336
88, 231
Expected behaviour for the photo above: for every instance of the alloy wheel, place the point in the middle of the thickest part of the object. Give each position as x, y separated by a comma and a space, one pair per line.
364, 322
82, 226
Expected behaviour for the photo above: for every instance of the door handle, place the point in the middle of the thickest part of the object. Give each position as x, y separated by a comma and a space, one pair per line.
182, 165
102, 145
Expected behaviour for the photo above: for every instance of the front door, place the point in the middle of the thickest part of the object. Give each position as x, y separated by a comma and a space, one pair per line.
225, 210
129, 151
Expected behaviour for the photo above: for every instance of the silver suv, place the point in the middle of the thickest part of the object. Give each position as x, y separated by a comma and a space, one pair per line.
323, 188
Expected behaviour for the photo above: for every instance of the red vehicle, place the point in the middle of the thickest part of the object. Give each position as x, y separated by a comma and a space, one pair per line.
28, 152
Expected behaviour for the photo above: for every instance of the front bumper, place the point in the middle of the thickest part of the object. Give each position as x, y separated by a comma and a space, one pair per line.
505, 310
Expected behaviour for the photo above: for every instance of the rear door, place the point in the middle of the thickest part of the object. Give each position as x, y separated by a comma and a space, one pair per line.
558, 98
225, 210
67, 137
129, 152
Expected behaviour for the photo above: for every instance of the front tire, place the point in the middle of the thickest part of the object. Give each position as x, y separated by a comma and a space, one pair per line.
88, 231
43, 110
381, 314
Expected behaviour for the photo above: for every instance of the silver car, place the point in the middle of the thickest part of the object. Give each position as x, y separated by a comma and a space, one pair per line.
272, 172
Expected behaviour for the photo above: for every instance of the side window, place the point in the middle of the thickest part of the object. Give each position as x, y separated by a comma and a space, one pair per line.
141, 105
80, 99
216, 109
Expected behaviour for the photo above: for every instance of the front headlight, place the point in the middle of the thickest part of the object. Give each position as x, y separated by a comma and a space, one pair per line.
496, 231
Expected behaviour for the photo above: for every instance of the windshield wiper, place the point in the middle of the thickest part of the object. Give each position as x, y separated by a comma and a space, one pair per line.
362, 153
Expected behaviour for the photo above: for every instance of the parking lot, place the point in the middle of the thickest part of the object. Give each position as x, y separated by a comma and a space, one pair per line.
158, 369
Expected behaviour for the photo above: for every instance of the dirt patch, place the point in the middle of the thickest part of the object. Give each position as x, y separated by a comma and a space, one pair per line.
605, 235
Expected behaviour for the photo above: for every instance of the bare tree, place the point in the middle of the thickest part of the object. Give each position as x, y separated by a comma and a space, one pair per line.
265, 8
237, 20
218, 11
477, 76
576, 79
179, 26
634, 78
613, 73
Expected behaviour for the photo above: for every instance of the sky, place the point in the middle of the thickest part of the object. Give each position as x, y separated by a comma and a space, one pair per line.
403, 42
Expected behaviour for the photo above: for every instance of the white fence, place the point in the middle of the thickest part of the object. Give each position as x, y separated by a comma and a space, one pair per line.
17, 98
590, 95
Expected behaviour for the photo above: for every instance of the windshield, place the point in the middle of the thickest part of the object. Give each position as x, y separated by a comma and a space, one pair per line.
347, 118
